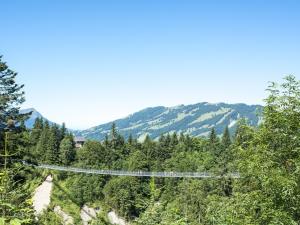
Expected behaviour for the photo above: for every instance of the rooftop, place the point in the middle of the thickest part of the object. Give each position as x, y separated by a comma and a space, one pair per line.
79, 139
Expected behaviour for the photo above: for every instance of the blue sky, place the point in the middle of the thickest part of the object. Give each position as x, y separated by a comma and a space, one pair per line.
89, 62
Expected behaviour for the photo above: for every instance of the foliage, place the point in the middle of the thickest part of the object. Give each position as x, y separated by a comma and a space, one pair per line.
15, 201
267, 159
67, 150
128, 195
50, 218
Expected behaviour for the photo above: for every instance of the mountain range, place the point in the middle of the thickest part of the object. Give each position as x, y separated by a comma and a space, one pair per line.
195, 120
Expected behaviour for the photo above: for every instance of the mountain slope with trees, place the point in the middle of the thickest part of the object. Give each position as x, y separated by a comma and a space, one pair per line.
195, 120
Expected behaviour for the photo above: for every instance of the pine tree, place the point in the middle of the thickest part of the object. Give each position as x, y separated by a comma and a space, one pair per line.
149, 150
113, 135
113, 132
120, 141
181, 137
174, 139
224, 160
225, 152
62, 132
213, 139
226, 140
214, 145
164, 150
168, 139
22, 127
106, 141
67, 150
52, 146
36, 131
14, 200
41, 146
11, 97
130, 140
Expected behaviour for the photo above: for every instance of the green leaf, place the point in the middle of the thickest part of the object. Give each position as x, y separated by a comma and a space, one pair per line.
16, 222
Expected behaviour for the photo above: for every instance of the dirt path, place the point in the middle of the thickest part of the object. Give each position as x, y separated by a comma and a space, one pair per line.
114, 219
41, 201
41, 198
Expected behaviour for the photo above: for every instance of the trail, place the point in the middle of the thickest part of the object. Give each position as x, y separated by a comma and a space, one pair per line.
41, 198
114, 219
41, 201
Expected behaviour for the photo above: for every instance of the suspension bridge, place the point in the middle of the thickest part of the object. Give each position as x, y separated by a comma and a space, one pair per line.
166, 174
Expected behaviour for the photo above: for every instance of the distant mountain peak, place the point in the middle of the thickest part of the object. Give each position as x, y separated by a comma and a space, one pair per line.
28, 110
35, 114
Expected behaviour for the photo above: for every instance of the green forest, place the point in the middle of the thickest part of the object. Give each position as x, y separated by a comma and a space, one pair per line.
267, 158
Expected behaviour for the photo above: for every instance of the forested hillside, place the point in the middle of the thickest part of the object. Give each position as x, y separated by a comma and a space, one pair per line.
267, 158
195, 120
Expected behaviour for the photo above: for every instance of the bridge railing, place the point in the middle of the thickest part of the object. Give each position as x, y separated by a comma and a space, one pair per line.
136, 173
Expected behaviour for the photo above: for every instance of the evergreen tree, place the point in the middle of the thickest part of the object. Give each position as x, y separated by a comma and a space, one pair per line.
164, 149
36, 131
214, 144
130, 139
120, 141
11, 97
167, 142
174, 140
188, 142
22, 127
113, 134
14, 199
41, 147
226, 154
67, 150
52, 146
149, 151
213, 139
224, 161
226, 140
106, 141
181, 137
62, 132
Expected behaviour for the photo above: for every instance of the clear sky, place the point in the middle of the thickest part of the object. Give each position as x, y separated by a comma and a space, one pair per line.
87, 62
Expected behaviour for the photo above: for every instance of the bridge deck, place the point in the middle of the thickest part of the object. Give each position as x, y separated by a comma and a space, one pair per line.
136, 173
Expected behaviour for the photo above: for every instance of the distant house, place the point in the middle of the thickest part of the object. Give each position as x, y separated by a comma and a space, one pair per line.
79, 142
